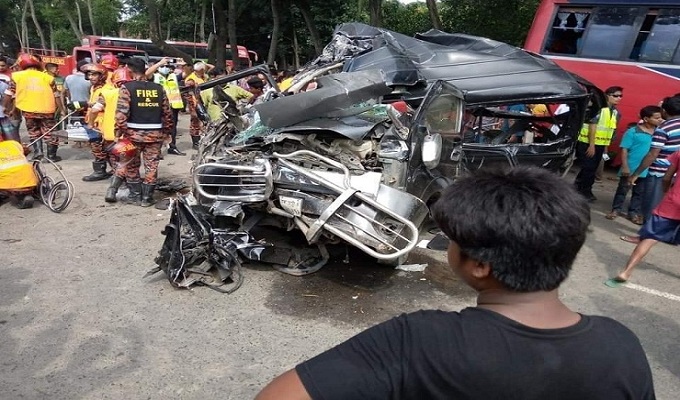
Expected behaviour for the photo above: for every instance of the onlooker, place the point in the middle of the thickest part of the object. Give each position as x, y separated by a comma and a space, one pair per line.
635, 144
162, 74
77, 86
195, 78
519, 342
593, 142
666, 141
5, 72
663, 226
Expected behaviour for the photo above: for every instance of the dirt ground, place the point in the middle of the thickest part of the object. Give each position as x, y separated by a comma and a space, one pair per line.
78, 321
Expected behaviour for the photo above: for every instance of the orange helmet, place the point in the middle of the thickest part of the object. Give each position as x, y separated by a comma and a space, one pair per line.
121, 75
109, 61
98, 68
123, 149
26, 60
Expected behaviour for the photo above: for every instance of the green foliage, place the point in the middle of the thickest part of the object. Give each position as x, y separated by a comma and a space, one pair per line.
504, 20
408, 19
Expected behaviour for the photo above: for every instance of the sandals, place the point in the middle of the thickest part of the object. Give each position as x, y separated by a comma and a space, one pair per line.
612, 215
630, 239
637, 220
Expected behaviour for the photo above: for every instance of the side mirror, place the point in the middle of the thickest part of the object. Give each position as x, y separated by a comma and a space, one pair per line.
431, 150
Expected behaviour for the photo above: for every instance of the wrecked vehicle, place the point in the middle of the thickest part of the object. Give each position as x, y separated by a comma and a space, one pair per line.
367, 137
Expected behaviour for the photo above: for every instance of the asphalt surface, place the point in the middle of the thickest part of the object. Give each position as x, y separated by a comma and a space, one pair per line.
78, 321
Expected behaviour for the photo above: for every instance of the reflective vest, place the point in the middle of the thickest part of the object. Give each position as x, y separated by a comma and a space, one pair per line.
171, 86
146, 105
15, 171
34, 91
606, 126
105, 121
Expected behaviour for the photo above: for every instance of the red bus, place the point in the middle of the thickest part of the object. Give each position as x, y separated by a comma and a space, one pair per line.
198, 51
627, 43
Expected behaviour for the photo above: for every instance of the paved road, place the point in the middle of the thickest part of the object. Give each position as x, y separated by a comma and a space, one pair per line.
77, 320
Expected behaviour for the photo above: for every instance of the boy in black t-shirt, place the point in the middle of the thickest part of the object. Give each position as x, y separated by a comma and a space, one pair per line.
513, 238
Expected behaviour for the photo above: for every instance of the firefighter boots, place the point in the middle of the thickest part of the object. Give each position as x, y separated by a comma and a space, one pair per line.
52, 153
147, 195
37, 148
99, 172
135, 196
112, 190
24, 201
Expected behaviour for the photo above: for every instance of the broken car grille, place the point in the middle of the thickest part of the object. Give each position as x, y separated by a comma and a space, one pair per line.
234, 182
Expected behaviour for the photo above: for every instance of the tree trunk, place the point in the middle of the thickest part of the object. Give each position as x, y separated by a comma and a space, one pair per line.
375, 10
90, 15
231, 27
276, 28
37, 25
72, 23
24, 26
201, 26
80, 19
311, 26
155, 34
52, 45
434, 14
220, 37
296, 51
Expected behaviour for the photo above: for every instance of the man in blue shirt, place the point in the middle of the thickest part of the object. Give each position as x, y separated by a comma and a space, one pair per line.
666, 141
634, 146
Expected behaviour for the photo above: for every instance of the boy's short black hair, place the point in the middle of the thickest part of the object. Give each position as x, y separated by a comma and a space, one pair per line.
255, 82
613, 89
671, 105
136, 65
648, 111
526, 222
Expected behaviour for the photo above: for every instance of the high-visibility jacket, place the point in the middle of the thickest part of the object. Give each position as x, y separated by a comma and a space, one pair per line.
171, 86
105, 121
15, 170
606, 126
34, 91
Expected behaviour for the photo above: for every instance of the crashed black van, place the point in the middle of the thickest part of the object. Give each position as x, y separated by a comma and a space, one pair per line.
366, 137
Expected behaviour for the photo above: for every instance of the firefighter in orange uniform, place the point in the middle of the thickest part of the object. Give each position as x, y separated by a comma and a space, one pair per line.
34, 93
17, 177
97, 75
144, 118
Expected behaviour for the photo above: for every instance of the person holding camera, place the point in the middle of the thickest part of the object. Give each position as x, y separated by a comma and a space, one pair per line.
162, 74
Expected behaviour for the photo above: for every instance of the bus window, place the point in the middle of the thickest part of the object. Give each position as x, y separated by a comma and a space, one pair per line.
609, 32
567, 30
662, 40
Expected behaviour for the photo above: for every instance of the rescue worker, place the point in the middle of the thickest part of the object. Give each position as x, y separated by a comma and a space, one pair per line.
196, 78
34, 93
120, 151
17, 177
111, 63
594, 140
98, 76
162, 74
143, 117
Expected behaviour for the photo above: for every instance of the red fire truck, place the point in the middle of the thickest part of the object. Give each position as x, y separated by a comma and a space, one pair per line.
67, 63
